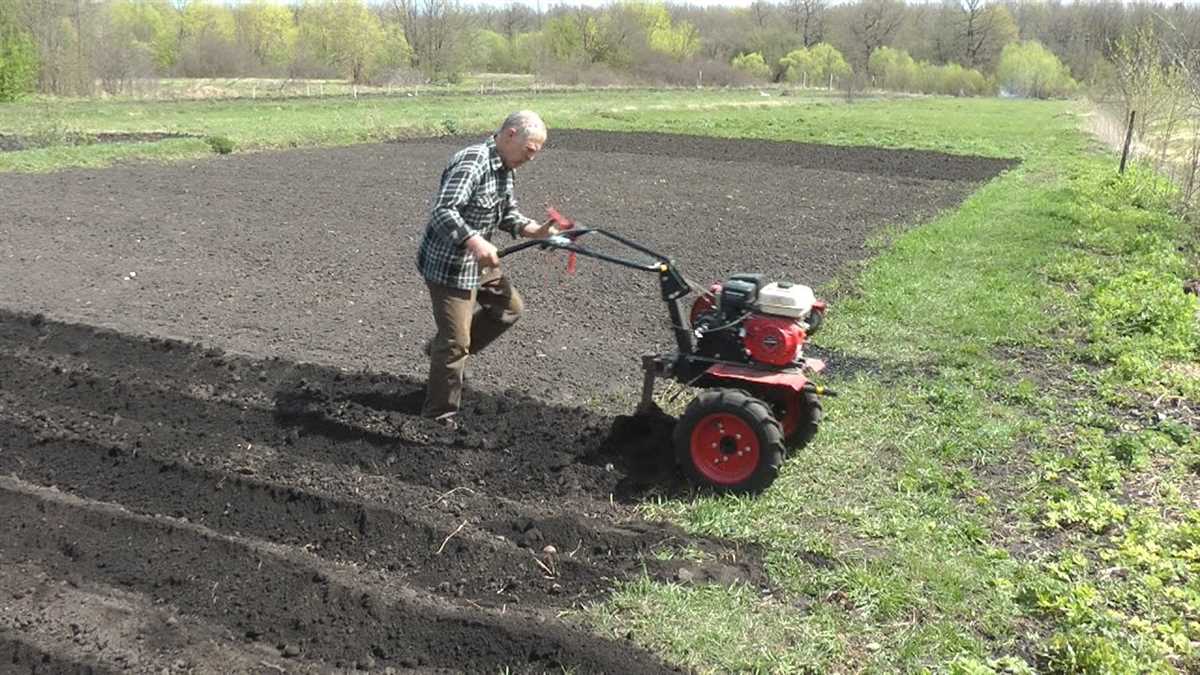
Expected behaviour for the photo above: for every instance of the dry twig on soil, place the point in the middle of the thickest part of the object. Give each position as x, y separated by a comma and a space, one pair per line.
447, 494
447, 540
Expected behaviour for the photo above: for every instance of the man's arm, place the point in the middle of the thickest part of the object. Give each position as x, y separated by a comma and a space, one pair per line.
518, 225
514, 222
458, 184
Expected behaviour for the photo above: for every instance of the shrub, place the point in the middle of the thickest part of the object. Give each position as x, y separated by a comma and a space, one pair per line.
814, 66
893, 69
1029, 69
753, 65
222, 145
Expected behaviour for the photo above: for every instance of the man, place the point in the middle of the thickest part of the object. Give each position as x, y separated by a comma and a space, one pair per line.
473, 302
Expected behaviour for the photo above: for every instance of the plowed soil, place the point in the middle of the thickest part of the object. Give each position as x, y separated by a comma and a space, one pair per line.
209, 460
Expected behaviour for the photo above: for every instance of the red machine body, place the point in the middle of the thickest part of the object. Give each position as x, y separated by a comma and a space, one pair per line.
773, 339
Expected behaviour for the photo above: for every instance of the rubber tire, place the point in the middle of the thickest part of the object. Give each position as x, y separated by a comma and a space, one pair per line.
810, 416
756, 414
810, 422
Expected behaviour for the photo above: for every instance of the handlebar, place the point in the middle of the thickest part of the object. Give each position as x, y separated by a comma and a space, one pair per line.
566, 241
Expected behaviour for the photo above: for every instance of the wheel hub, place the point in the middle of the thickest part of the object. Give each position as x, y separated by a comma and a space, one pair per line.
725, 448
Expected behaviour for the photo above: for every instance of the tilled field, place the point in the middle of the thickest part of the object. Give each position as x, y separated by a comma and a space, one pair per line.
208, 457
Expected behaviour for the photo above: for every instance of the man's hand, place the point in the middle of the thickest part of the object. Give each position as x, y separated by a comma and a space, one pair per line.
483, 250
535, 231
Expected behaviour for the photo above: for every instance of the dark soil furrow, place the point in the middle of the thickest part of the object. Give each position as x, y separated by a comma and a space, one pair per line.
63, 624
18, 656
355, 420
310, 423
275, 596
484, 563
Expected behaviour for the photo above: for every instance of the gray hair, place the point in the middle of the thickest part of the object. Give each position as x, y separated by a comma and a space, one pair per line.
526, 123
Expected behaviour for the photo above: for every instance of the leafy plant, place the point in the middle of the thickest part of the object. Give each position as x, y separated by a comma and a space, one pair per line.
222, 145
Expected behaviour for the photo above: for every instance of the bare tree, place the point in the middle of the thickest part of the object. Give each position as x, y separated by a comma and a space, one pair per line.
58, 30
1182, 88
807, 18
977, 24
514, 19
760, 12
872, 25
436, 31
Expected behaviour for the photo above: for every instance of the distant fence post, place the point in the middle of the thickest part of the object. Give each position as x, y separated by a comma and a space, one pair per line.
1128, 139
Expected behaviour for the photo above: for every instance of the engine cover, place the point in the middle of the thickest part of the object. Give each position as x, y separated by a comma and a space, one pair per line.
773, 339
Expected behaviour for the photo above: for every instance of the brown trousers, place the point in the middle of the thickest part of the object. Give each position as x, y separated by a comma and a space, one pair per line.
467, 322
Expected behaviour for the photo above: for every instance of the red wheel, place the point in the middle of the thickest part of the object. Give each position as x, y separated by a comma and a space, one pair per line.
730, 441
724, 448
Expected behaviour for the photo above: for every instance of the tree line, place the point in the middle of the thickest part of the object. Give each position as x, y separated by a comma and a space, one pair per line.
1025, 47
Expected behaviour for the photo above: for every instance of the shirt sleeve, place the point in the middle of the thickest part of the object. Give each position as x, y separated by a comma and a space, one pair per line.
514, 221
458, 183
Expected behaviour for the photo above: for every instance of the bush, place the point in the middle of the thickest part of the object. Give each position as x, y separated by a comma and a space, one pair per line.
952, 80
893, 69
1029, 69
814, 66
222, 145
753, 65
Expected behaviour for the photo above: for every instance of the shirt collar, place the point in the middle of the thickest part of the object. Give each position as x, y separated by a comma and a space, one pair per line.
494, 159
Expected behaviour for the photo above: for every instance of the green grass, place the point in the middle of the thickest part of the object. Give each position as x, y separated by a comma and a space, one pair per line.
987, 127
969, 509
1011, 485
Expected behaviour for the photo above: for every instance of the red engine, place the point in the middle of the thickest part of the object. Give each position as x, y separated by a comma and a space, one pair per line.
745, 320
773, 339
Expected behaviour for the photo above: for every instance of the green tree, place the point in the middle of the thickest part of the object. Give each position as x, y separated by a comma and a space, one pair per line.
815, 65
894, 69
207, 45
150, 28
18, 62
619, 36
493, 53
679, 41
266, 31
1029, 69
753, 65
348, 37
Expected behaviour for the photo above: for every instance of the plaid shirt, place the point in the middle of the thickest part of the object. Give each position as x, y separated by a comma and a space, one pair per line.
476, 197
